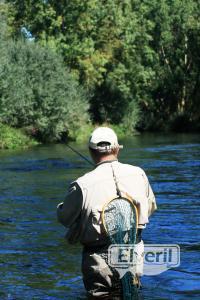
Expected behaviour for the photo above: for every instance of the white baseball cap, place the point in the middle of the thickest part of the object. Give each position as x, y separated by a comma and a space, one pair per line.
104, 135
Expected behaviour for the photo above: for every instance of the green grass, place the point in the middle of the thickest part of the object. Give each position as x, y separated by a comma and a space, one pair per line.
11, 138
83, 133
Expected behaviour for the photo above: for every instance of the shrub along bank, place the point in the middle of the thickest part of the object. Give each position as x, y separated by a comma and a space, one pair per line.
11, 138
38, 93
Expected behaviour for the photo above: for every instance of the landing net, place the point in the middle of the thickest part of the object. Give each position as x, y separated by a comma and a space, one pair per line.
120, 222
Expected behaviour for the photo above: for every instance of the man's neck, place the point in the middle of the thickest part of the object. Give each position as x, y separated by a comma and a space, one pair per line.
106, 158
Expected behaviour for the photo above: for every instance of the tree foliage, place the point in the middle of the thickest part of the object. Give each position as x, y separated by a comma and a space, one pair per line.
37, 92
138, 58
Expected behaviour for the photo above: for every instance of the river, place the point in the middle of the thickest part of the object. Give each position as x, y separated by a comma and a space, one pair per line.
35, 260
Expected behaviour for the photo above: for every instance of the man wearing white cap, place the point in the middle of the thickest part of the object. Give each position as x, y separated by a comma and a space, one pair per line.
81, 212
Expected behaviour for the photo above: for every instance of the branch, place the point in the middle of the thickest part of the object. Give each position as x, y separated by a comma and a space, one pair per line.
166, 60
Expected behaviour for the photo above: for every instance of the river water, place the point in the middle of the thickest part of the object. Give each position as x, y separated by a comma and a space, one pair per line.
36, 262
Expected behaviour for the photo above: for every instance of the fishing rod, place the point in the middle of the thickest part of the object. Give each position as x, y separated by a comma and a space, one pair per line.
81, 155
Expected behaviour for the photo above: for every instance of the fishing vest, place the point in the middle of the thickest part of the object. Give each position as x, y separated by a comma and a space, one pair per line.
98, 187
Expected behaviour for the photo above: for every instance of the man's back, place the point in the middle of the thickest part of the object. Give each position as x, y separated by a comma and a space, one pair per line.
98, 187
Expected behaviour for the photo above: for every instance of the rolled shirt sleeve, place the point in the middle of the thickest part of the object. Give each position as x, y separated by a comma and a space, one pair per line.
150, 196
152, 202
146, 204
69, 210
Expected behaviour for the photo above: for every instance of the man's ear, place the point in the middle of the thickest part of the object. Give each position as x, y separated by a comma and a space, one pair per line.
115, 152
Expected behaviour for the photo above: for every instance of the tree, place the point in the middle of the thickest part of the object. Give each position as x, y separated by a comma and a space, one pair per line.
132, 56
176, 43
37, 91
89, 34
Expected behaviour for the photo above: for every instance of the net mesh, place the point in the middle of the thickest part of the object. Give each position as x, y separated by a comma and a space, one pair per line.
120, 222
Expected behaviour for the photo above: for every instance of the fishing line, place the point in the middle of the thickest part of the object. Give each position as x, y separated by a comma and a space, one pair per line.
81, 155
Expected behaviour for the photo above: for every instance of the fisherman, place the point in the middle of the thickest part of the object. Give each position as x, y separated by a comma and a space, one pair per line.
81, 211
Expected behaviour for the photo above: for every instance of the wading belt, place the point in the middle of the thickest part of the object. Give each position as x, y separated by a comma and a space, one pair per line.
97, 248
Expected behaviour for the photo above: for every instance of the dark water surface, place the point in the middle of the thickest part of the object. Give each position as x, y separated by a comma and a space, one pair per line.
35, 261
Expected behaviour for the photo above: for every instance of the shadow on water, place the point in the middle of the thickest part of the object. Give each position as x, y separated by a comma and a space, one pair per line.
35, 261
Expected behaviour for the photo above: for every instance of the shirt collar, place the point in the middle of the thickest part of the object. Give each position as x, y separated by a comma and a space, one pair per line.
105, 162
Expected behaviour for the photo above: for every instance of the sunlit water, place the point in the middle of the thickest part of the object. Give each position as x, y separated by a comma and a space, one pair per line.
36, 262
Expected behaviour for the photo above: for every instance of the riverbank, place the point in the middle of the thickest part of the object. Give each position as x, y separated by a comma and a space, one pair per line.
11, 138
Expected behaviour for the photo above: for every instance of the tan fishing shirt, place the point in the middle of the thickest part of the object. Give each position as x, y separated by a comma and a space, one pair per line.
81, 210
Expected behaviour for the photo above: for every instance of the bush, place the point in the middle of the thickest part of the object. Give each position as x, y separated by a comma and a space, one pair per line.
36, 91
181, 123
11, 138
